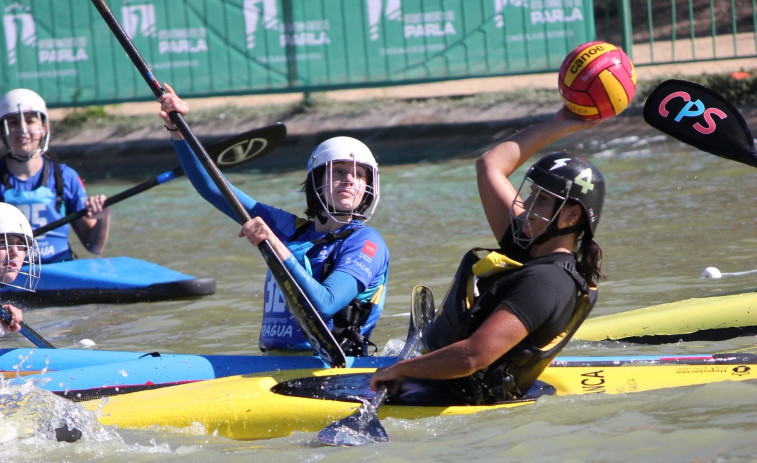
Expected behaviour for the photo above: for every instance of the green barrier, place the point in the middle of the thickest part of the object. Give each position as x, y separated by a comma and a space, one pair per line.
61, 49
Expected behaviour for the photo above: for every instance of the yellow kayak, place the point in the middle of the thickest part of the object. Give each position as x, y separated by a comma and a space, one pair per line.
706, 318
245, 407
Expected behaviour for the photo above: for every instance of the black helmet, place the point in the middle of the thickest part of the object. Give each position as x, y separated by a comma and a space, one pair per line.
574, 178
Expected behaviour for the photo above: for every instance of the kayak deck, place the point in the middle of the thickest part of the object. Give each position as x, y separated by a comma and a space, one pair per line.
713, 318
246, 406
109, 280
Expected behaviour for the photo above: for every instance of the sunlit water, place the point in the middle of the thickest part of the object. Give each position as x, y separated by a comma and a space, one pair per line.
670, 212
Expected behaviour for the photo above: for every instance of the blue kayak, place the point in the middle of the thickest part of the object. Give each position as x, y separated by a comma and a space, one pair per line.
80, 375
108, 280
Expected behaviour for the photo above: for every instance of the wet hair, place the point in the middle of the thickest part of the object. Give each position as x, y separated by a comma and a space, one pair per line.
588, 253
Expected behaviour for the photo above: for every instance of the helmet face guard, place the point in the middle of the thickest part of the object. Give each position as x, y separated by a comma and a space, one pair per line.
567, 178
20, 263
322, 178
524, 234
14, 106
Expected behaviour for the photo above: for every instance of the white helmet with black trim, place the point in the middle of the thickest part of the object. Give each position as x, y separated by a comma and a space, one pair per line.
19, 102
20, 263
320, 171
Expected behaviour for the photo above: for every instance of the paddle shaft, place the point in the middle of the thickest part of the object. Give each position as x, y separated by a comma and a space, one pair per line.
421, 313
176, 118
306, 316
29, 333
136, 189
364, 426
229, 152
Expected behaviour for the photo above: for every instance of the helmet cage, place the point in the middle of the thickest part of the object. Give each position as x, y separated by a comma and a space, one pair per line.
19, 102
43, 144
323, 186
575, 178
27, 268
523, 233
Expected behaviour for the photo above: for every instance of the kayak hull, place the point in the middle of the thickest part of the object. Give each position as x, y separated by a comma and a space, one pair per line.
712, 318
244, 406
79, 374
108, 280
130, 389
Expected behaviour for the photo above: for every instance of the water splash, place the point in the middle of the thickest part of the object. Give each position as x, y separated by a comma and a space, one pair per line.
32, 415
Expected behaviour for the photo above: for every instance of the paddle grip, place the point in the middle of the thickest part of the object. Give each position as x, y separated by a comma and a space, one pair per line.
29, 333
146, 185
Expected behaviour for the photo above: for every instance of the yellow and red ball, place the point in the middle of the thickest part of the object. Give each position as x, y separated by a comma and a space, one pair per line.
597, 80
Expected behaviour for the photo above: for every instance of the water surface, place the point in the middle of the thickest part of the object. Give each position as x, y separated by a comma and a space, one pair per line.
670, 212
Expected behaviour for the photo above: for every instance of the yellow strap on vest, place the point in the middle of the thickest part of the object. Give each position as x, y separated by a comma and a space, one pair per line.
494, 263
489, 265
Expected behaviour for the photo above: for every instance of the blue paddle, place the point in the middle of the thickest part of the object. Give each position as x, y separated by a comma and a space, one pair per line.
29, 333
308, 319
230, 152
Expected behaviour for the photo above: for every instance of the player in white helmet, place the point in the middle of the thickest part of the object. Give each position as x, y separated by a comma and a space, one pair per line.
43, 188
19, 260
341, 264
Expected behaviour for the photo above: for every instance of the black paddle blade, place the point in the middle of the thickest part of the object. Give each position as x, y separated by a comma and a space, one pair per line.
249, 145
364, 427
422, 309
354, 431
698, 116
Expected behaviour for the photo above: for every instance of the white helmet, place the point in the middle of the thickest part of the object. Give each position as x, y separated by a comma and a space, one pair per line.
16, 232
341, 149
18, 102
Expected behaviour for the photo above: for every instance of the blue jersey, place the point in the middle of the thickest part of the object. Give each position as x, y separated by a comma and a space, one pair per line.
37, 202
363, 255
360, 262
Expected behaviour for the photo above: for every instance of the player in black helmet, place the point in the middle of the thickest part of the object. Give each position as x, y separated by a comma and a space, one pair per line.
572, 181
508, 313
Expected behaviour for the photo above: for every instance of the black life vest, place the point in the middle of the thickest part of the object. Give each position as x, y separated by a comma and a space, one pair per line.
510, 376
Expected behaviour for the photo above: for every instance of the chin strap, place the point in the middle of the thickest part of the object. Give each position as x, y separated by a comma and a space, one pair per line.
553, 231
26, 159
322, 218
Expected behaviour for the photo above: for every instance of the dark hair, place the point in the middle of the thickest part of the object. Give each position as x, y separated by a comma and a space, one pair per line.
589, 263
311, 196
589, 254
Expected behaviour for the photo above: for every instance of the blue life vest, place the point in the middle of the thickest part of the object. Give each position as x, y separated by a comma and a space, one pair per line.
42, 206
349, 325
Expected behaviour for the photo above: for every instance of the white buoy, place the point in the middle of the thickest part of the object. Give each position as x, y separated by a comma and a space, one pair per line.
87, 342
711, 272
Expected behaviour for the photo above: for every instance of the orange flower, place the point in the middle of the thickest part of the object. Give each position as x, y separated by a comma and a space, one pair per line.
740, 75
